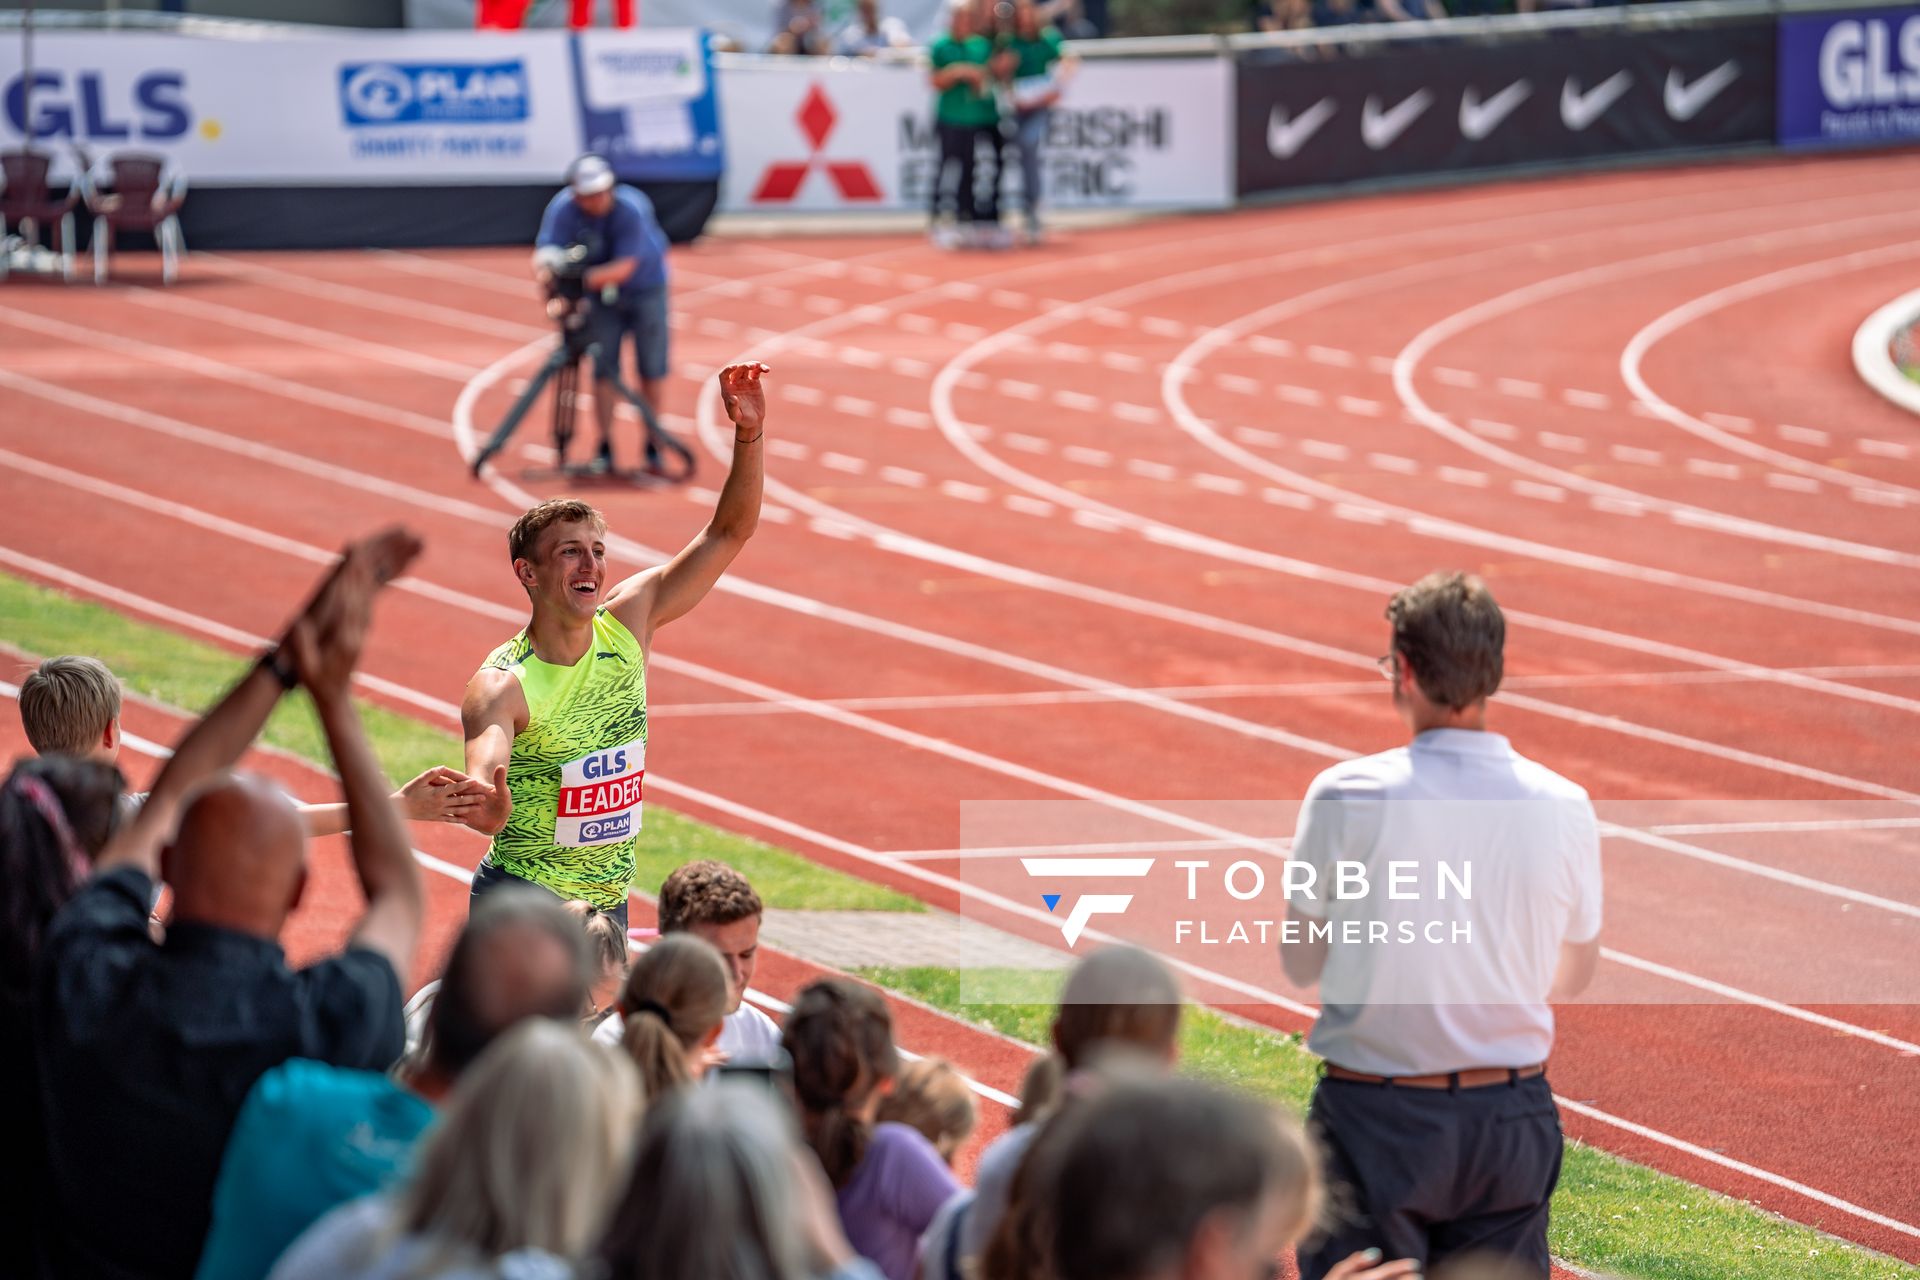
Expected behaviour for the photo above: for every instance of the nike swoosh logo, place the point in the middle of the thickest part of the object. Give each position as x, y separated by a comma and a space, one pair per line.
1478, 119
1578, 110
1285, 137
1378, 128
1685, 101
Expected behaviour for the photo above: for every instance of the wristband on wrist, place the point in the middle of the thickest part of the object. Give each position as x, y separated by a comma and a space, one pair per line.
750, 439
275, 661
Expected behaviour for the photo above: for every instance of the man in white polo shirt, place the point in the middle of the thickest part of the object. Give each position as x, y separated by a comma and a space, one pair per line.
1471, 899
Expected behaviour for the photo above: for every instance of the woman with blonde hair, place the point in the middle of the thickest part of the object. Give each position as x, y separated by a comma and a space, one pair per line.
675, 999
934, 1098
515, 1182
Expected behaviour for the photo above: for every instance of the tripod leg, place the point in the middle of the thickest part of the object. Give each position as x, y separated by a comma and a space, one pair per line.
511, 422
565, 396
658, 437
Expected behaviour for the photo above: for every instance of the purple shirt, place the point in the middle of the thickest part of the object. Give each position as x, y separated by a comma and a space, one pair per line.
893, 1195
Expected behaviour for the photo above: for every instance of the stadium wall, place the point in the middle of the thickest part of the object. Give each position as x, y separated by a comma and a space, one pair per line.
302, 138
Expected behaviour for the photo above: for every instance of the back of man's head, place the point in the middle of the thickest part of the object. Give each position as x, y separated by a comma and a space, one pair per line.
1117, 998
67, 705
522, 955
1150, 1171
238, 859
706, 892
1448, 628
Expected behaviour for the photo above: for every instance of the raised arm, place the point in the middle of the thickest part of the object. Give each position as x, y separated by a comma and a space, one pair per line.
649, 600
326, 655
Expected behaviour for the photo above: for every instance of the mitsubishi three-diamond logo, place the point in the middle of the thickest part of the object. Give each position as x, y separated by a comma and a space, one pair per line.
782, 181
1088, 905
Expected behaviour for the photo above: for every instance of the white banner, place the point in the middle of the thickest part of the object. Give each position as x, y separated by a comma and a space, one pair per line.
813, 135
748, 23
397, 108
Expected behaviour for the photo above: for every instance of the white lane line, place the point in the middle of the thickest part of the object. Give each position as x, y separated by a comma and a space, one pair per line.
903, 476
1162, 328
1616, 506
914, 322
1492, 430
975, 380
965, 492
1094, 520
1563, 443
1079, 400
1087, 457
801, 394
1520, 387
1334, 356
1714, 470
1151, 470
1465, 378
1792, 483
1543, 492
1009, 299
861, 358
1218, 484
1018, 390
1640, 457
1028, 506
1325, 449
1270, 346
1586, 399
1879, 498
1071, 351
838, 530
1882, 449
854, 405
965, 290
1307, 396
1359, 407
1286, 498
915, 419
780, 447
908, 367
1025, 443
1262, 439
1237, 383
1124, 362
822, 305
844, 462
1804, 435
1358, 514
1135, 412
1464, 476
1729, 422
1380, 364
1394, 463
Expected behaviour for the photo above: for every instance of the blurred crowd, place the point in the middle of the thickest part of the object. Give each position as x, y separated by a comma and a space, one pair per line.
801, 27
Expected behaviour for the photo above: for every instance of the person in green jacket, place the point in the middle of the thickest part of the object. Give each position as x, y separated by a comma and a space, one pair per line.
966, 114
1036, 69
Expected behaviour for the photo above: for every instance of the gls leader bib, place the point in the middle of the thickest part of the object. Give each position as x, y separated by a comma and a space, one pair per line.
600, 796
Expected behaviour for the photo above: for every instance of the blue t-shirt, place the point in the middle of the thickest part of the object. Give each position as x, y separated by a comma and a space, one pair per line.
310, 1137
629, 230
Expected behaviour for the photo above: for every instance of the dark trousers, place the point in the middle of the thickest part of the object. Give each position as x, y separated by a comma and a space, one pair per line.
1428, 1174
960, 148
487, 878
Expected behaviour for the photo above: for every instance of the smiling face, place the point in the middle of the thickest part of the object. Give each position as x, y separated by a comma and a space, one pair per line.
566, 571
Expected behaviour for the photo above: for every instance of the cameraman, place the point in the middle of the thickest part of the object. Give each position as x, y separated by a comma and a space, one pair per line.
626, 252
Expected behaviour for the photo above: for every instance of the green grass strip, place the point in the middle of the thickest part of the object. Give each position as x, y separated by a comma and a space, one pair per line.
1609, 1215
170, 668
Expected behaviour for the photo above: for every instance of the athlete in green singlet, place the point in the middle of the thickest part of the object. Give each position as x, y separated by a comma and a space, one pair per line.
556, 718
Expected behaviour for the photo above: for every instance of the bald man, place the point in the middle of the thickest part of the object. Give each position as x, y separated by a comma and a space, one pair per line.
147, 1047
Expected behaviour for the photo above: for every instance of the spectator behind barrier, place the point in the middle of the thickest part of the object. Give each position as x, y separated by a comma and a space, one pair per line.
676, 996
1119, 999
1174, 1178
797, 29
889, 1182
516, 1181
869, 32
137, 1104
607, 945
966, 118
310, 1137
722, 1188
714, 903
934, 1099
56, 815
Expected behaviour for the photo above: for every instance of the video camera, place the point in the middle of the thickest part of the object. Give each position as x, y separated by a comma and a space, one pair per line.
566, 268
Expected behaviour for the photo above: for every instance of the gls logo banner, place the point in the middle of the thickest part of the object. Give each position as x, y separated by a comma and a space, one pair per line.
100, 106
1088, 905
396, 93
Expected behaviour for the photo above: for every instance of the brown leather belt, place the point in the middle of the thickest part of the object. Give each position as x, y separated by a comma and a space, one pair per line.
1473, 1078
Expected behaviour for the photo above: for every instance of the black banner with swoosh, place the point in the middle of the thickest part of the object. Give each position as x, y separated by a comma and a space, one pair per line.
1353, 112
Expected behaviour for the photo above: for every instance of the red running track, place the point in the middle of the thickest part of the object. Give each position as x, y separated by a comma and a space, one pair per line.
1114, 522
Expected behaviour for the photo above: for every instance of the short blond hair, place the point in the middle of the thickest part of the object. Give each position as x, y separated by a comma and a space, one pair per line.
933, 1097
526, 531
67, 704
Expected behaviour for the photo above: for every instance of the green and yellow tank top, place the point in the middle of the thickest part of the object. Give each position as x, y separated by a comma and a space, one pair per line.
577, 768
